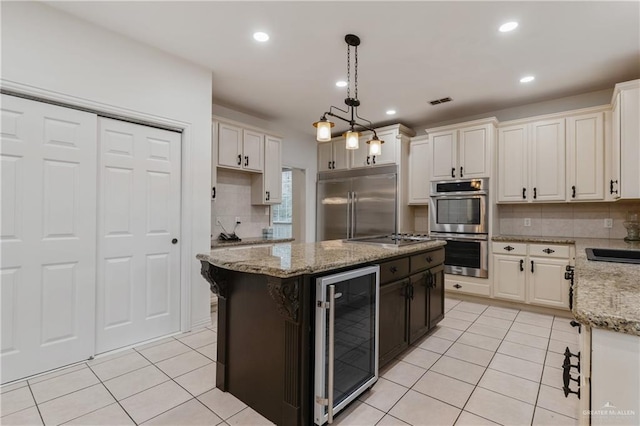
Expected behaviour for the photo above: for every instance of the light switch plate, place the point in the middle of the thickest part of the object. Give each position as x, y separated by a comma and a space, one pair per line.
527, 221
608, 223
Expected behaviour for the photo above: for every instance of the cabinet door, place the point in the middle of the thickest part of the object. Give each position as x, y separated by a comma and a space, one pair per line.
340, 154
393, 320
512, 164
612, 154
214, 161
360, 157
419, 176
629, 146
436, 296
273, 170
585, 162
325, 156
547, 285
509, 277
229, 146
418, 303
474, 152
388, 155
443, 155
547, 160
253, 151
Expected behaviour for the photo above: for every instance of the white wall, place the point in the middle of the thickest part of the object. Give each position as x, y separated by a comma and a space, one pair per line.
299, 151
44, 48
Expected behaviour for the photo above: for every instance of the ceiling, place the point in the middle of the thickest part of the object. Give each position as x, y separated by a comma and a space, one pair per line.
411, 52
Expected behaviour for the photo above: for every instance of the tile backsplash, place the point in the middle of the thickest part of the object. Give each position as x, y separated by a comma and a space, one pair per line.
566, 220
233, 199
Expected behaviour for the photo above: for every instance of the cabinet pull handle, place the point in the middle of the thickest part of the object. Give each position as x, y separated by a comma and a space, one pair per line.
373, 159
457, 286
453, 172
535, 193
532, 266
611, 186
549, 251
428, 259
524, 193
393, 269
573, 191
239, 159
368, 163
508, 248
269, 197
521, 265
246, 160
566, 377
329, 165
575, 323
461, 175
213, 192
333, 164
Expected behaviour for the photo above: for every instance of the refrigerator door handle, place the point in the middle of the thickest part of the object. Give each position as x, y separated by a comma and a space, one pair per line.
354, 200
348, 215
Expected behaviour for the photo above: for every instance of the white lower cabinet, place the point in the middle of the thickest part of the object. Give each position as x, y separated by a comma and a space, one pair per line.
531, 273
467, 285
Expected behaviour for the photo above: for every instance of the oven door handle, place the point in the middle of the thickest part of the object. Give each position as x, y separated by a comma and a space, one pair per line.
458, 195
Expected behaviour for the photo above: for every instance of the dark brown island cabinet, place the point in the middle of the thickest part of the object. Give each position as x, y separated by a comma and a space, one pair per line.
266, 328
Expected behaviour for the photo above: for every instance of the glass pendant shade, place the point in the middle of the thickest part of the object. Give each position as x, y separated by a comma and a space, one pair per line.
353, 139
323, 130
375, 146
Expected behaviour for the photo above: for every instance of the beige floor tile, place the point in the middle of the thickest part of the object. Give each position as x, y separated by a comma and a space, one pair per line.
517, 367
27, 417
156, 400
165, 351
478, 341
450, 303
119, 366
553, 377
539, 320
16, 400
563, 336
420, 357
486, 330
502, 313
137, 381
554, 400
469, 419
191, 413
445, 333
544, 417
404, 374
533, 330
462, 315
210, 351
470, 354
474, 308
389, 420
494, 322
556, 360
56, 373
455, 323
111, 415
223, 404
200, 380
183, 363
444, 388
248, 417
63, 384
418, 409
511, 386
154, 343
527, 339
563, 324
13, 386
499, 408
358, 413
73, 405
198, 339
559, 347
102, 358
383, 395
458, 369
436, 344
523, 352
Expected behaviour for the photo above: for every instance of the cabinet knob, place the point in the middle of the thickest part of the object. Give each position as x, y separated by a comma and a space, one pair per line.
457, 286
509, 248
393, 269
548, 250
428, 259
174, 241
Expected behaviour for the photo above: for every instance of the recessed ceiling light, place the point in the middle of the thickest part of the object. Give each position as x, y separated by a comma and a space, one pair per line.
260, 36
341, 83
527, 79
391, 112
509, 26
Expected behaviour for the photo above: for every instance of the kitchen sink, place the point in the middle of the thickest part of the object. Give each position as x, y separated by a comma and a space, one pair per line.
613, 255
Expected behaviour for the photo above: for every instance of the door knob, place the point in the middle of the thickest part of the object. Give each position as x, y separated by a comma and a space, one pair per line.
174, 241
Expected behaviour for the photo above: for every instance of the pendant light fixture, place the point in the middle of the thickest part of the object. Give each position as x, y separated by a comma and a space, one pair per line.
352, 136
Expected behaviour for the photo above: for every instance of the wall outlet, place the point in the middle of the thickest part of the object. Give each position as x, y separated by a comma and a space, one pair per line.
608, 223
527, 221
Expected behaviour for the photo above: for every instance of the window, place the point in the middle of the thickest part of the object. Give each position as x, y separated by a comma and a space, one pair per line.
282, 214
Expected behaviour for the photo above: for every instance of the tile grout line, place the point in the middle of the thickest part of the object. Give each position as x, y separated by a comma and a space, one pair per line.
36, 403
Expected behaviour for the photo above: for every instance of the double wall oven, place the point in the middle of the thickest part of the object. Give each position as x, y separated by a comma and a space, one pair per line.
458, 214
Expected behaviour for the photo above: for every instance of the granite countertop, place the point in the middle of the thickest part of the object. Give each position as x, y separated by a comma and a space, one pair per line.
248, 241
532, 239
292, 259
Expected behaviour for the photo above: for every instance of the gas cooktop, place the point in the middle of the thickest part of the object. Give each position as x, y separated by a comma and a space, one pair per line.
392, 239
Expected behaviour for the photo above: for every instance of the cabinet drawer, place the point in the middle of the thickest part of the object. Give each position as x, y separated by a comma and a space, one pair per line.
465, 287
510, 248
427, 260
548, 250
394, 270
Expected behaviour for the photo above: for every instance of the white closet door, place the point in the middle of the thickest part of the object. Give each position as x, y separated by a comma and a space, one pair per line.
48, 236
138, 217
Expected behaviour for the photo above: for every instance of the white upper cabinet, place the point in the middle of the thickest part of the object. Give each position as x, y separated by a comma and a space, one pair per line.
333, 155
252, 151
585, 157
240, 148
266, 188
419, 175
361, 157
462, 151
513, 162
626, 110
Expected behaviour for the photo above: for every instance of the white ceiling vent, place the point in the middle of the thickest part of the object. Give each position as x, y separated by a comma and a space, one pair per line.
440, 101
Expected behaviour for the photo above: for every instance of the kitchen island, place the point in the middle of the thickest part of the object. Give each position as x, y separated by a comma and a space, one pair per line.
266, 313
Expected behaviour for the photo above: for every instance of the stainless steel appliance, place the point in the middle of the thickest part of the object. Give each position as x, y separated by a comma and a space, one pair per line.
346, 339
459, 206
458, 214
356, 203
392, 239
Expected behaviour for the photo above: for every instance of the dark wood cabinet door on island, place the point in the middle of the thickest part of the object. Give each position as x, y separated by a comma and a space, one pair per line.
393, 320
418, 306
436, 296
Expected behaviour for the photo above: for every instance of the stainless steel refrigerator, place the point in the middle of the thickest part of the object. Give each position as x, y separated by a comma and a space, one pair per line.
356, 203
